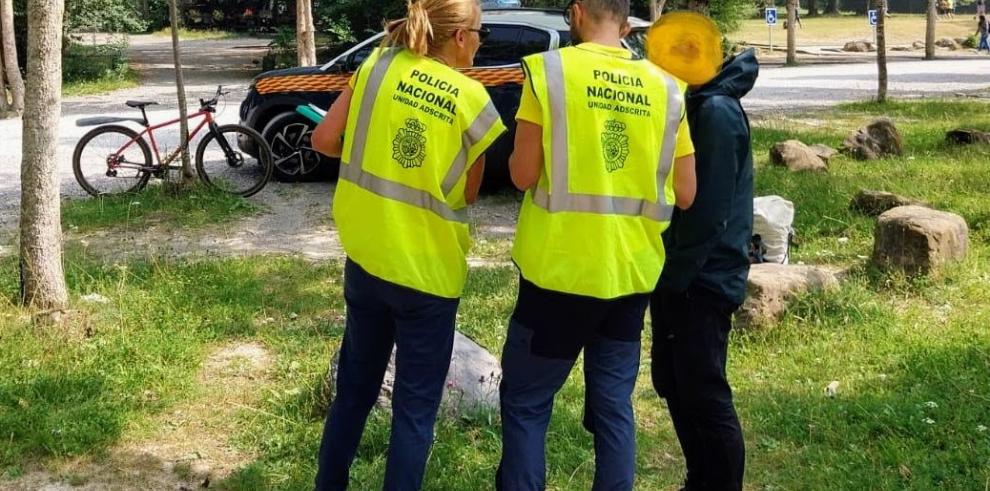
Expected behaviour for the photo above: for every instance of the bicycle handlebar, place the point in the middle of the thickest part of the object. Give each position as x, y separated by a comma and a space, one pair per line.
213, 102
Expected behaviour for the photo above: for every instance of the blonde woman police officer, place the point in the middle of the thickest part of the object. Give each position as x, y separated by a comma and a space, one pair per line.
411, 132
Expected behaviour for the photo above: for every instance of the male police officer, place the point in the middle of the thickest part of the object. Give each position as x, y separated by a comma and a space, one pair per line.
604, 153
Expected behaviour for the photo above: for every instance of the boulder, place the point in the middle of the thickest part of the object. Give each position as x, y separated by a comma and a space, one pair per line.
858, 47
919, 240
901, 48
471, 386
947, 43
874, 203
879, 139
967, 137
796, 156
824, 152
918, 45
960, 41
772, 286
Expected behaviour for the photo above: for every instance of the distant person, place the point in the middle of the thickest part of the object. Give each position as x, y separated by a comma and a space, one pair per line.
950, 10
981, 8
982, 32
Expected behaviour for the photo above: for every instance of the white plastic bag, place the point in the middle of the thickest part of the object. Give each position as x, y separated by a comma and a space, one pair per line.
772, 220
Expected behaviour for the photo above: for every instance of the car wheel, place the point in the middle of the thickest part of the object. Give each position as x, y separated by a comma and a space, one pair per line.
289, 135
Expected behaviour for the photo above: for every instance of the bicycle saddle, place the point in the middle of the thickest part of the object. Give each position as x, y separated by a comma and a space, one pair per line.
139, 104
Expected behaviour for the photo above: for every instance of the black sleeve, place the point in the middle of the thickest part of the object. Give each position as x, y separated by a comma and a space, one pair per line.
722, 142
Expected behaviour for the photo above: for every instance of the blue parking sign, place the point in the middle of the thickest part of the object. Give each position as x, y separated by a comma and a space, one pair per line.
871, 15
771, 16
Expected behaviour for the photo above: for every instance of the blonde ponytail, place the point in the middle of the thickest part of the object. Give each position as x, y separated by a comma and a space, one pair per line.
429, 24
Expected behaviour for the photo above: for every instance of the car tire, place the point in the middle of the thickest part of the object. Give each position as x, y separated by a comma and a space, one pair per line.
294, 158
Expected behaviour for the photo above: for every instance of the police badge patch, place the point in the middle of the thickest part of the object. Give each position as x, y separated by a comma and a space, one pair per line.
409, 145
615, 145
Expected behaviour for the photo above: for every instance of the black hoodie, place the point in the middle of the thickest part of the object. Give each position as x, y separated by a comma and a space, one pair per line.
707, 246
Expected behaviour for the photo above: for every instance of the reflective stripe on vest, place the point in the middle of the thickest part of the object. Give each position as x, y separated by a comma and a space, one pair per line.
559, 198
353, 171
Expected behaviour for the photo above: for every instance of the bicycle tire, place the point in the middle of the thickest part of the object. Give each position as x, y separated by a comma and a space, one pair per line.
143, 177
264, 159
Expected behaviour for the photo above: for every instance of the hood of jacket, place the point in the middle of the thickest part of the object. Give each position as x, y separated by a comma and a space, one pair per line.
737, 78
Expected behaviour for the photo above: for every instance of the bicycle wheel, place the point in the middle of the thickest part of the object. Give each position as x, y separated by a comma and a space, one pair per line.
103, 169
221, 164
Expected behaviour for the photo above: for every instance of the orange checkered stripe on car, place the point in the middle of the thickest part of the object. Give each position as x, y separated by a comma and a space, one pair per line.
496, 76
332, 83
302, 83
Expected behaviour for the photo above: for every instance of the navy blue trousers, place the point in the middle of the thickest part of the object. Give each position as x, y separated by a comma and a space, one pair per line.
421, 327
546, 333
690, 345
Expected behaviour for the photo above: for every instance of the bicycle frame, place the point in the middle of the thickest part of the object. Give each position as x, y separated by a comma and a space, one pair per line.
150, 131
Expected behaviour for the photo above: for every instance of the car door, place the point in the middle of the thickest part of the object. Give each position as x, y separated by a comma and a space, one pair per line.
497, 66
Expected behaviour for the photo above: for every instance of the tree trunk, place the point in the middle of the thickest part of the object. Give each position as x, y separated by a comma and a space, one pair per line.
792, 6
42, 277
12, 67
4, 105
832, 7
188, 176
305, 35
931, 20
656, 9
812, 8
881, 52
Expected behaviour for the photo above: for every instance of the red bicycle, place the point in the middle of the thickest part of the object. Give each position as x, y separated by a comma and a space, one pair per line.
114, 159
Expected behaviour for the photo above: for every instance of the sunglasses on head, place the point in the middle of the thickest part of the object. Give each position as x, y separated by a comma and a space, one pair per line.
483, 33
569, 10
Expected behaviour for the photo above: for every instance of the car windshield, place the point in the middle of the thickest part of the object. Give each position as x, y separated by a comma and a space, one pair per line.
635, 41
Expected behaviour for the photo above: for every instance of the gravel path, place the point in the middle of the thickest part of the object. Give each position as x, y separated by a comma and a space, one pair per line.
297, 221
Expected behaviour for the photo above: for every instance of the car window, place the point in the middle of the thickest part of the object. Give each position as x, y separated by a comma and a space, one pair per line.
635, 41
355, 59
508, 44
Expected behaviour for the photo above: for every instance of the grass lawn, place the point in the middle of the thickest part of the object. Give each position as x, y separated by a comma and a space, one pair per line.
109, 83
912, 356
196, 34
155, 204
902, 29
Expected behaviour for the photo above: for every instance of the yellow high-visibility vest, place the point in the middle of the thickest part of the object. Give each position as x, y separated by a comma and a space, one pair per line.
414, 128
592, 225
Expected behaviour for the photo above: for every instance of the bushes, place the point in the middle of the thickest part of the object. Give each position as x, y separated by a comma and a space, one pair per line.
971, 42
86, 63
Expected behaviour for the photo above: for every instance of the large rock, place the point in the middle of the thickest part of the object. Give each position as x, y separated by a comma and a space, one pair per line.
919, 240
796, 156
772, 286
947, 43
858, 46
967, 137
824, 152
471, 386
879, 139
918, 45
873, 203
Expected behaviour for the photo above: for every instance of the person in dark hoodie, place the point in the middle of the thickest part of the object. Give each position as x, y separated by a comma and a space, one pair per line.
704, 282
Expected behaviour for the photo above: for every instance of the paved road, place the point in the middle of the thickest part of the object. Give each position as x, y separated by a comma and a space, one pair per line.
822, 85
229, 62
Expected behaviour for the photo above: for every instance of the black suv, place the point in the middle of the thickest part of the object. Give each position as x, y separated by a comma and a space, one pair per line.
273, 96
